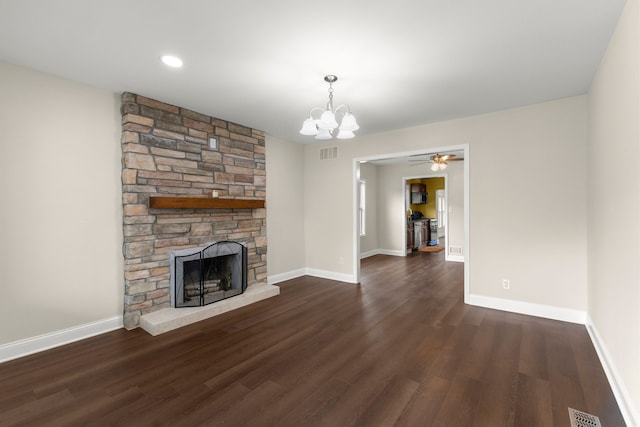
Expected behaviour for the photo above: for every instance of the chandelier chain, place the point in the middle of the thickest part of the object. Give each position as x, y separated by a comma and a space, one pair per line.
330, 97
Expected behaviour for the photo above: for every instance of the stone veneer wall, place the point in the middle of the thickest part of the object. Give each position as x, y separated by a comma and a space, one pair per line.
165, 152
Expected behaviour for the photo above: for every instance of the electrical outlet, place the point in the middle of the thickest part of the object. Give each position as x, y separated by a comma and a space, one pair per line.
506, 284
341, 260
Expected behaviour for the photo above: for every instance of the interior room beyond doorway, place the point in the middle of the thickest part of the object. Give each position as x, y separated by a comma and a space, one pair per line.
426, 213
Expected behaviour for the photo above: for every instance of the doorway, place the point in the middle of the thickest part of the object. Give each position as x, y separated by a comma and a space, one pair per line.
399, 219
426, 212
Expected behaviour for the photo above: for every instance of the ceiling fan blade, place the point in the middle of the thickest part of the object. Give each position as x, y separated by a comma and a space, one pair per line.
424, 162
440, 158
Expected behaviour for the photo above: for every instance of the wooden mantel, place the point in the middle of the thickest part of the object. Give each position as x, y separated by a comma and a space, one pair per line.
203, 203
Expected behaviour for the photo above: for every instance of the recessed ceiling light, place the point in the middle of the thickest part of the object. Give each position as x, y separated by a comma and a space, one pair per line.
172, 61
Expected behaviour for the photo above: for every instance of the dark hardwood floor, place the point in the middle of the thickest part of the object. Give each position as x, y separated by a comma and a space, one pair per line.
399, 349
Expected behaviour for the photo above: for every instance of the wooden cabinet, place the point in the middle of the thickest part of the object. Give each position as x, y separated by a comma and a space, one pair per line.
418, 188
419, 194
410, 235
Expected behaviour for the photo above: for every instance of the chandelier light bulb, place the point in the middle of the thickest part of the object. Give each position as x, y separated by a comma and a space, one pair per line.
323, 134
328, 120
309, 127
345, 134
349, 123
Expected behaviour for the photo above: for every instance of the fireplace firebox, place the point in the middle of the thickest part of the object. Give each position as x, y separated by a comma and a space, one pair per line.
201, 276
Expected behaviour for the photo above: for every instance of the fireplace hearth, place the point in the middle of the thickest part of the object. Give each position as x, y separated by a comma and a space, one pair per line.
204, 275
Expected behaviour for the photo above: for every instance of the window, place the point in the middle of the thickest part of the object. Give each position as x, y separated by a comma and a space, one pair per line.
362, 207
441, 205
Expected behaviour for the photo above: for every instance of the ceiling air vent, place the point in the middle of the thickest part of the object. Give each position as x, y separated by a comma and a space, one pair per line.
582, 419
328, 153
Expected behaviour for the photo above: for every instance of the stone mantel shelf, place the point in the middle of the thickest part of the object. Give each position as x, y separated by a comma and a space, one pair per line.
204, 203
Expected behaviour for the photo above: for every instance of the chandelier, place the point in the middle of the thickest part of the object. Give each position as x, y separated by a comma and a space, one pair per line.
323, 127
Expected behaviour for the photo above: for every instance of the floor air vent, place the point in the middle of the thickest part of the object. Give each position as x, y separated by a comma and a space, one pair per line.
582, 419
328, 153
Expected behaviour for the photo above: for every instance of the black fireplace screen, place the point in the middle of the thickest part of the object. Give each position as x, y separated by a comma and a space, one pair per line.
206, 275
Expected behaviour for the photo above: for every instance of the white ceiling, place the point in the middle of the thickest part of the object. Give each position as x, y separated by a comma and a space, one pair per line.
261, 63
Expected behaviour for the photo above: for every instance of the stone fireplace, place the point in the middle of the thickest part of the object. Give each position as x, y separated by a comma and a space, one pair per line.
188, 179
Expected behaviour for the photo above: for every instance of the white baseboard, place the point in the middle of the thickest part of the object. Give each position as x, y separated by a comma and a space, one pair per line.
382, 252
277, 278
369, 253
340, 277
531, 309
455, 258
25, 347
625, 402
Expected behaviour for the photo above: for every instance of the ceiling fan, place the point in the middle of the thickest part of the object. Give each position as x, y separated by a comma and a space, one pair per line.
439, 161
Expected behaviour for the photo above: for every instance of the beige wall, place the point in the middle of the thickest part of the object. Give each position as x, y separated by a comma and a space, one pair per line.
614, 203
519, 230
60, 222
455, 202
285, 217
328, 221
369, 242
392, 215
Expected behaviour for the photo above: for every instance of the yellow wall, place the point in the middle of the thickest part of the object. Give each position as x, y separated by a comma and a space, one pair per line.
433, 184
